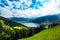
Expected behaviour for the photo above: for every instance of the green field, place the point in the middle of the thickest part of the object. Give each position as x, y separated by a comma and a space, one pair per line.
48, 34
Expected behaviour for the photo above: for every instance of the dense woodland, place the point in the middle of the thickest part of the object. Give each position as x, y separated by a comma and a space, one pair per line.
10, 30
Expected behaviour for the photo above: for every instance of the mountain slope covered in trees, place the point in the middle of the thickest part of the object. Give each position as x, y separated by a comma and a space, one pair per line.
10, 30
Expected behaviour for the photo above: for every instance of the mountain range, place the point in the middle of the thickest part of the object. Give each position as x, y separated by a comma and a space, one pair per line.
21, 19
50, 18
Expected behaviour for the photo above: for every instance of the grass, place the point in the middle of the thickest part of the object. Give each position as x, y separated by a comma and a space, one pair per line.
48, 34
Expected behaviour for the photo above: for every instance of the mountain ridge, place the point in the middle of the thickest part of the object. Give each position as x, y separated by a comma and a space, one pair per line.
51, 18
10, 21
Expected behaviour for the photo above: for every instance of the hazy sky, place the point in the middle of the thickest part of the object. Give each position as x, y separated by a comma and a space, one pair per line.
29, 8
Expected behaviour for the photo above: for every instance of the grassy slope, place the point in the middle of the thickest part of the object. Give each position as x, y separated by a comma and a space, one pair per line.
9, 23
48, 34
7, 27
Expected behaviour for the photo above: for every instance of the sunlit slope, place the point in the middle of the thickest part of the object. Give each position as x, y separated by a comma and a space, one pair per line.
48, 34
10, 29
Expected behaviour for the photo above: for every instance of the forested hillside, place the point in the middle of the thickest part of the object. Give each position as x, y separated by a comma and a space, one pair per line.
11, 30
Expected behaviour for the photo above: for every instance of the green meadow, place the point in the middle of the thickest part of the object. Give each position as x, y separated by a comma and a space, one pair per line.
47, 34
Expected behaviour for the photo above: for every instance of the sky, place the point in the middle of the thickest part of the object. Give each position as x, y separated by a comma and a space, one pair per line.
29, 8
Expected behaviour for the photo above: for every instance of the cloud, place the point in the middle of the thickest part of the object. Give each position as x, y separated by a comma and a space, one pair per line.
5, 12
50, 7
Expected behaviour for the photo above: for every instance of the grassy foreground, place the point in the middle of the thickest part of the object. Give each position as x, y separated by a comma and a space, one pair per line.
48, 34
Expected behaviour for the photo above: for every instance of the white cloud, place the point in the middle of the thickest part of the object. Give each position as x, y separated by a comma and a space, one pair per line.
50, 8
5, 12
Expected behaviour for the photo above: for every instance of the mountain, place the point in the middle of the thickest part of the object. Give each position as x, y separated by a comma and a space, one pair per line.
9, 22
10, 30
18, 19
51, 18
